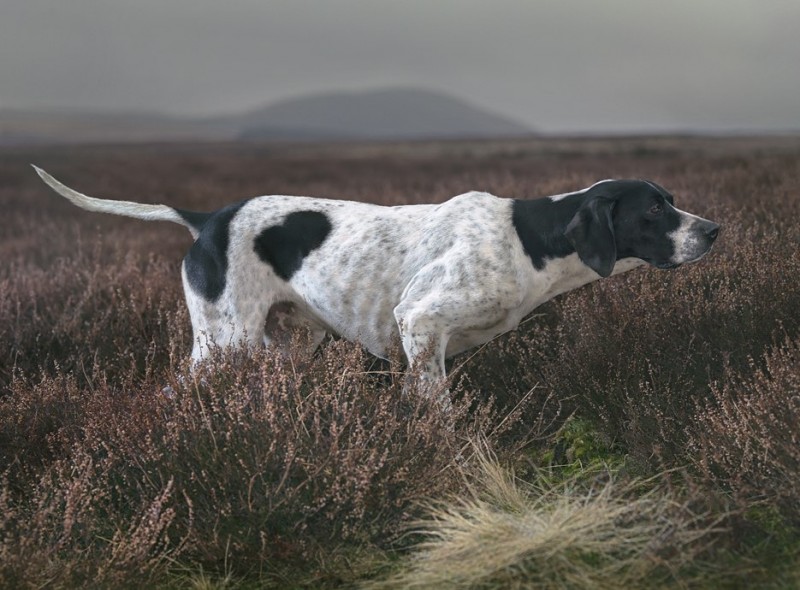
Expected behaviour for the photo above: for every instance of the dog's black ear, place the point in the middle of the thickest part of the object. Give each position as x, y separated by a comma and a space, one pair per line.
591, 231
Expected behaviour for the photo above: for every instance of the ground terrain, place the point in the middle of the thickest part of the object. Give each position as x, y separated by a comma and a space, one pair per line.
639, 432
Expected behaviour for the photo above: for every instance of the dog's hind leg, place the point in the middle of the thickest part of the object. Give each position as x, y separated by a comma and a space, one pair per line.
227, 322
222, 325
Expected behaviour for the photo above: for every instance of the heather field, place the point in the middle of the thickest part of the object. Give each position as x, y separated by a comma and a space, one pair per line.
641, 432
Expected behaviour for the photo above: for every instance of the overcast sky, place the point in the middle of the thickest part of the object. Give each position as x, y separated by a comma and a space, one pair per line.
556, 65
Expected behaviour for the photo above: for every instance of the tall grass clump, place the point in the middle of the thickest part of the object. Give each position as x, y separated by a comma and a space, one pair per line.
592, 531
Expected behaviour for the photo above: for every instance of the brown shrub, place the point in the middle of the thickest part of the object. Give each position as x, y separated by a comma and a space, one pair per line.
78, 313
290, 461
746, 437
65, 530
507, 373
257, 462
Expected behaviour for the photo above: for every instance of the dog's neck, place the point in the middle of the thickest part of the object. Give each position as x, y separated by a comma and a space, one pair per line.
541, 223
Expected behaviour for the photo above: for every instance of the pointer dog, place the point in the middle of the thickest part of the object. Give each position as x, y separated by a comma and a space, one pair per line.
444, 278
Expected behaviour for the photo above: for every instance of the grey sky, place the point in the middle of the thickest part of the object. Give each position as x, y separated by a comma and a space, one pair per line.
559, 66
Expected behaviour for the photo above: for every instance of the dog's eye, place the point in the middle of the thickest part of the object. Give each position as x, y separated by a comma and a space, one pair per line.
656, 209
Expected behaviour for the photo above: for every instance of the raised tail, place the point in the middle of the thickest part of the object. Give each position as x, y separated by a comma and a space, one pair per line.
192, 220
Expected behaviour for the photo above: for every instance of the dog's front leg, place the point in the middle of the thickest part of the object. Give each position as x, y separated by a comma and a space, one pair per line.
425, 344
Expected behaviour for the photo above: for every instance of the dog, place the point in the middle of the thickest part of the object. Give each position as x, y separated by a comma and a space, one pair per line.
442, 278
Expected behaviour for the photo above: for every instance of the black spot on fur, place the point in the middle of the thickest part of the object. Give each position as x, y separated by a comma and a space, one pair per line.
206, 263
540, 225
285, 246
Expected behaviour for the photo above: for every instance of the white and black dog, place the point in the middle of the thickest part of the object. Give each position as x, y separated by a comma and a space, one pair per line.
443, 278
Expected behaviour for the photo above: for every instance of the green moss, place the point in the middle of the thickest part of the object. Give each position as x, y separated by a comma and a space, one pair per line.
577, 447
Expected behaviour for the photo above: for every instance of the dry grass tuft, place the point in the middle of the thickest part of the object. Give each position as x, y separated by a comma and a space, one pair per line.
597, 532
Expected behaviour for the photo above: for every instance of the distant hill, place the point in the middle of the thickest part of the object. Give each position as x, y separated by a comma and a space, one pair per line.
377, 114
399, 113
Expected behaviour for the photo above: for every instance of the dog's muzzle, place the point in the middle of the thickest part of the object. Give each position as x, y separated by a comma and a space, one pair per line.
692, 241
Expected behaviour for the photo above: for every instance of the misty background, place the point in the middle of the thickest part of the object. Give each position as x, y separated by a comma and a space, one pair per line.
235, 68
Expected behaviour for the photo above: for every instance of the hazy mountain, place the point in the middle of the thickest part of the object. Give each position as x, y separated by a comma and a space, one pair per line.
377, 114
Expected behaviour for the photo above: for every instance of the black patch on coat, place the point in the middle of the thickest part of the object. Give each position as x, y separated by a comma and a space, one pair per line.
206, 263
540, 225
195, 219
285, 246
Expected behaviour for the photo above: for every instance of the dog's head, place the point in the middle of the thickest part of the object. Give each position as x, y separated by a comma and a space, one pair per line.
636, 219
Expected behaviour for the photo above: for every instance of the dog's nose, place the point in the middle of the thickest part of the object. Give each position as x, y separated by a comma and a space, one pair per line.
712, 231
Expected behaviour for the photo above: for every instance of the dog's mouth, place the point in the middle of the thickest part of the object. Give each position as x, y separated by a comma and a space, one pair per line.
671, 264
696, 256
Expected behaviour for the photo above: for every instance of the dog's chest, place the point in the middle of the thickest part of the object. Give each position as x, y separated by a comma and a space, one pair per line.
536, 287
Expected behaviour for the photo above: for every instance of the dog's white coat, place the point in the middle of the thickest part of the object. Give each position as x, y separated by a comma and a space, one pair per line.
443, 278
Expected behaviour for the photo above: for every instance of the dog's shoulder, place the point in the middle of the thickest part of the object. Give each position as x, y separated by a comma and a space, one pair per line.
474, 207
472, 199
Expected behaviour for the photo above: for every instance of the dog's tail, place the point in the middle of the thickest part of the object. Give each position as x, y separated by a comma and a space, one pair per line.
190, 219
